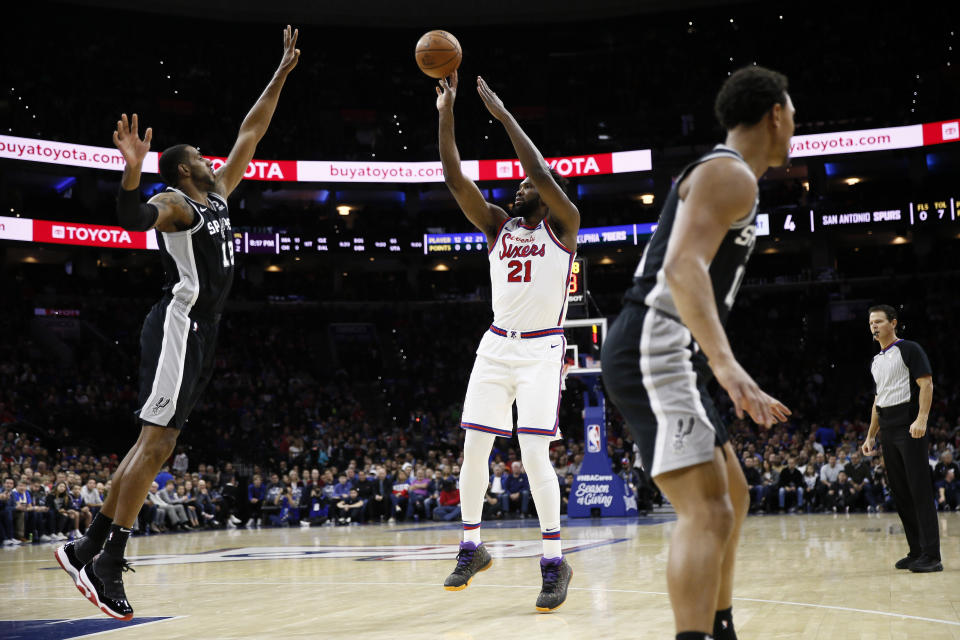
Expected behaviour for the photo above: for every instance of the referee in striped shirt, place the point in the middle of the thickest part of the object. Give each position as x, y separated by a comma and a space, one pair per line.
904, 390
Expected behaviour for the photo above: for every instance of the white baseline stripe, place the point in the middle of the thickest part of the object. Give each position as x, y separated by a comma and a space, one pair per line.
185, 336
691, 376
163, 352
135, 626
291, 583
645, 375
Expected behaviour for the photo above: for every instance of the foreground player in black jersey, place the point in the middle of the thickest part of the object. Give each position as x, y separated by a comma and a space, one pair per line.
659, 354
179, 334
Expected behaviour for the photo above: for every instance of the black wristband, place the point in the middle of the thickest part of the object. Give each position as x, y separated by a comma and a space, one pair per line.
134, 215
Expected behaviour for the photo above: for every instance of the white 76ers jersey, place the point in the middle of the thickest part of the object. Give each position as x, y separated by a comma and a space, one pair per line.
529, 277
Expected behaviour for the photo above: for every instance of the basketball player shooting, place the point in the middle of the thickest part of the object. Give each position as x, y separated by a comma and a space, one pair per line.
669, 340
520, 357
179, 335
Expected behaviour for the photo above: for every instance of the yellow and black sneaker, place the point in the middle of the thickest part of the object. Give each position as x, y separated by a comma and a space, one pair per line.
471, 560
556, 578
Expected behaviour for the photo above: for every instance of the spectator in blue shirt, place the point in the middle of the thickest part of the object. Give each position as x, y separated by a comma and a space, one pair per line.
826, 436
948, 492
352, 478
24, 516
517, 491
421, 487
256, 493
342, 488
164, 476
6, 513
322, 457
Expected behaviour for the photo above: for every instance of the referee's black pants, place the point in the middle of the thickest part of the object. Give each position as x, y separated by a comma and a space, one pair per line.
908, 473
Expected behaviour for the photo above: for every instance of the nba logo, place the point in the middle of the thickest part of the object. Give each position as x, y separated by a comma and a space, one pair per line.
505, 169
593, 438
950, 130
58, 232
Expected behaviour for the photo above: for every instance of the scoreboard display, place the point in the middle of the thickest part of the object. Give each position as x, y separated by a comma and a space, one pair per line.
926, 212
577, 289
824, 220
279, 243
933, 211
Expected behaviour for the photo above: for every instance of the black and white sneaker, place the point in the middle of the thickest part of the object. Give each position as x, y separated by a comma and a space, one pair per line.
103, 579
471, 560
556, 578
66, 556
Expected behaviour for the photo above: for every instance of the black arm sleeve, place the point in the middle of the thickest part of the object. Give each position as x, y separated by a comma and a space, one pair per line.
133, 214
916, 359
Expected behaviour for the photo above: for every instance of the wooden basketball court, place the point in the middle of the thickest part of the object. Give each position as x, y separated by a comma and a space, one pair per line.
817, 577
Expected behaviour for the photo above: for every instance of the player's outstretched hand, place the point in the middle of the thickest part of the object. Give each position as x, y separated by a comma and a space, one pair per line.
290, 52
747, 396
447, 92
127, 139
494, 104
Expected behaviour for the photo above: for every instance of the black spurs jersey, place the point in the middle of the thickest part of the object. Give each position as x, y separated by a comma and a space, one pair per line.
199, 261
727, 268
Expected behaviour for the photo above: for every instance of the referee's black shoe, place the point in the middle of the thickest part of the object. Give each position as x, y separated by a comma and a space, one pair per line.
906, 562
103, 579
556, 579
471, 560
926, 564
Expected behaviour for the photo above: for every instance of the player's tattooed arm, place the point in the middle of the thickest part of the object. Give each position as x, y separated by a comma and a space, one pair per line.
485, 216
255, 124
173, 212
563, 212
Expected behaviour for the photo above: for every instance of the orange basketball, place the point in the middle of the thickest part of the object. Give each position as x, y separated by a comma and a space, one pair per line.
438, 53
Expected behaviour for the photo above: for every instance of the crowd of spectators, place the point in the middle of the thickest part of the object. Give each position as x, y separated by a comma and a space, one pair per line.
304, 428
822, 475
50, 495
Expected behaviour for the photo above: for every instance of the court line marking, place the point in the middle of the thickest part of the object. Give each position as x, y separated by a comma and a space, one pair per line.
47, 598
97, 633
91, 617
134, 626
519, 586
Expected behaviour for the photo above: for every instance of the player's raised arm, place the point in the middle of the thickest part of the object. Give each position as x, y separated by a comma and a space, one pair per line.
561, 209
718, 194
168, 213
258, 119
485, 216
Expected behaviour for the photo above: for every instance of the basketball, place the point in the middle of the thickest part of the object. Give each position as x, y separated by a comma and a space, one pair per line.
438, 53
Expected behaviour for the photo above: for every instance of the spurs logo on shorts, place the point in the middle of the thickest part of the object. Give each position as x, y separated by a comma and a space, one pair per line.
159, 406
682, 432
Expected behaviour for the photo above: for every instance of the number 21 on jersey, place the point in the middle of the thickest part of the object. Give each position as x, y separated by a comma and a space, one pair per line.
516, 267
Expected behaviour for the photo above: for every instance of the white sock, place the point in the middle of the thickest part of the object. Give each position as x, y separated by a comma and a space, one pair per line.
545, 489
471, 533
474, 479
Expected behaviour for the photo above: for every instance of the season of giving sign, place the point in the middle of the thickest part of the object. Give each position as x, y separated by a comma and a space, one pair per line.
596, 486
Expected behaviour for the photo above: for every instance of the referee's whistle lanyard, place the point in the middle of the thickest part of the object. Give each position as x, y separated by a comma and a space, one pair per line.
891, 345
